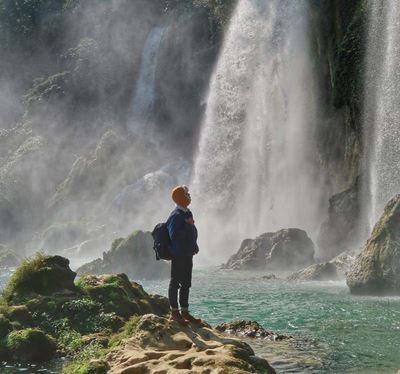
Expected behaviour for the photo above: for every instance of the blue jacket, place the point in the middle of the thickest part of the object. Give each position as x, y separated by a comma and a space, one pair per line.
183, 235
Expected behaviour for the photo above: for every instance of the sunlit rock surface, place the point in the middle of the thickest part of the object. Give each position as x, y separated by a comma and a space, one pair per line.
133, 256
163, 346
287, 249
376, 270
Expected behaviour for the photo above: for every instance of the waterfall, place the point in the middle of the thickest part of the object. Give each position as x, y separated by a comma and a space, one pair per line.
382, 105
143, 100
255, 170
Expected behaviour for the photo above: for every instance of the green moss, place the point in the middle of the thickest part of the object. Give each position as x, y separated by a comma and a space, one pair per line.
126, 331
83, 364
30, 345
39, 275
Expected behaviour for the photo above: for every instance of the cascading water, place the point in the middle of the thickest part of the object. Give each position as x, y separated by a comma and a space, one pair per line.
143, 99
382, 105
255, 170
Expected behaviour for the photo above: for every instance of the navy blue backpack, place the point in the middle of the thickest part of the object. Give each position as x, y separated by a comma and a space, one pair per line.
162, 242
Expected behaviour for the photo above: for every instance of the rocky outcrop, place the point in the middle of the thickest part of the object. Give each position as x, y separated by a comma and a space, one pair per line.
44, 311
133, 256
249, 329
332, 270
162, 346
341, 230
376, 270
41, 275
316, 272
287, 249
118, 295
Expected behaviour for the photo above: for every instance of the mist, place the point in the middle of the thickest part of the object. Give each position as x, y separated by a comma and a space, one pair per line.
93, 137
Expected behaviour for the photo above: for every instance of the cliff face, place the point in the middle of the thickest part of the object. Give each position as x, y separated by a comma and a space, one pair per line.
340, 33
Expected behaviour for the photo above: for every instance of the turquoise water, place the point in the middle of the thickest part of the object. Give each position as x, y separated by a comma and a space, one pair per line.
334, 331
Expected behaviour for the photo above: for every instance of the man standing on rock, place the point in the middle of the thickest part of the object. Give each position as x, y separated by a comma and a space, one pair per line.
183, 235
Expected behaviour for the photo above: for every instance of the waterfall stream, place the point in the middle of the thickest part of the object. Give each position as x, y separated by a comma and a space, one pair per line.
382, 105
255, 170
143, 99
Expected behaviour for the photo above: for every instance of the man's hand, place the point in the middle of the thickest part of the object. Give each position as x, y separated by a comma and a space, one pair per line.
196, 251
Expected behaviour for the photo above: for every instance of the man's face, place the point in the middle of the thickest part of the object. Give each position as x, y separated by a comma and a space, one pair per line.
187, 194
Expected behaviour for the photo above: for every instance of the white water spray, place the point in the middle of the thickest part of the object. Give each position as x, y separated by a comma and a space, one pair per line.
143, 99
382, 105
255, 170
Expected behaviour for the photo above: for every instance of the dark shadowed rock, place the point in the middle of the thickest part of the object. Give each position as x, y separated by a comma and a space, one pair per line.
133, 256
341, 229
376, 269
316, 272
249, 329
287, 249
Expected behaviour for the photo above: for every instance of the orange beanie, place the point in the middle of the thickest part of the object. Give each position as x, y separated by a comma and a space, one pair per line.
181, 196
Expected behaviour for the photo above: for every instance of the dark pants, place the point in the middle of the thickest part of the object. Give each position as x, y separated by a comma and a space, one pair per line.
181, 277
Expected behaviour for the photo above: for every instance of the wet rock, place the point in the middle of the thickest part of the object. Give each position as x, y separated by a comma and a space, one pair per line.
344, 261
376, 270
30, 345
287, 249
161, 345
341, 230
249, 329
316, 272
133, 256
270, 277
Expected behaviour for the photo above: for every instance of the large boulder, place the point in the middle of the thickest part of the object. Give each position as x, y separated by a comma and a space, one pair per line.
133, 256
287, 249
376, 269
30, 345
40, 275
341, 229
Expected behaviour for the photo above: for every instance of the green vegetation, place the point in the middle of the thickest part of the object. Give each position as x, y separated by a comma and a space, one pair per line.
43, 311
41, 275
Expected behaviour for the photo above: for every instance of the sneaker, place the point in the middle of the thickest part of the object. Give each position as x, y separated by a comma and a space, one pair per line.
189, 318
177, 317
